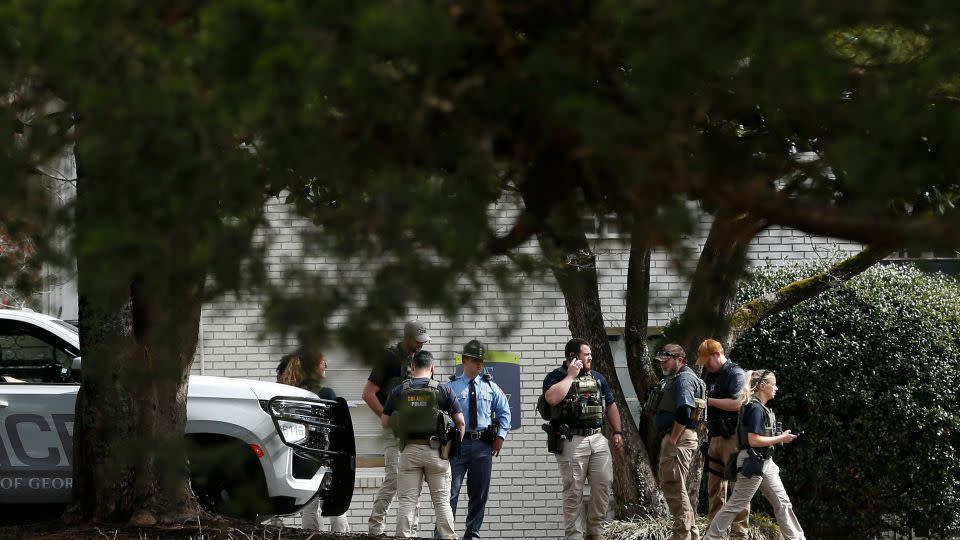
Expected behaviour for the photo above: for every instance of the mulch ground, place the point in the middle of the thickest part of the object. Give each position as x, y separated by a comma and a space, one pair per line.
203, 530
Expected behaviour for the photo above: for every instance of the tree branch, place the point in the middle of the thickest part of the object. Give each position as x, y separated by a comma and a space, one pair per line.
522, 230
862, 225
755, 311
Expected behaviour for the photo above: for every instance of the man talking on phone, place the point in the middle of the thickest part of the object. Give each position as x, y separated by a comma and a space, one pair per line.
580, 399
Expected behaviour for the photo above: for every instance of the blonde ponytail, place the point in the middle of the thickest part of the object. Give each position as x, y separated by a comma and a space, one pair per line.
754, 378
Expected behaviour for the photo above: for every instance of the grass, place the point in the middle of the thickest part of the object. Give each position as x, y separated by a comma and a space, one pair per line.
762, 527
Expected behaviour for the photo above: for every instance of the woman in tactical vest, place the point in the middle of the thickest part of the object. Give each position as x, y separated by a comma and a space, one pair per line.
307, 370
757, 434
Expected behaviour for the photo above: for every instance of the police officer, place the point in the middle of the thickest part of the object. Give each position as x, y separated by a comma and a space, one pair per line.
678, 413
393, 369
579, 399
757, 434
487, 415
725, 381
413, 412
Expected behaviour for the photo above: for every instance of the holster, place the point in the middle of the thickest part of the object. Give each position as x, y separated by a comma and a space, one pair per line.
730, 468
451, 444
753, 465
554, 439
490, 433
446, 449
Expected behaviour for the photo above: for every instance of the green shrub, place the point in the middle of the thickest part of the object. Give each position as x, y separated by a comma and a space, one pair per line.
869, 373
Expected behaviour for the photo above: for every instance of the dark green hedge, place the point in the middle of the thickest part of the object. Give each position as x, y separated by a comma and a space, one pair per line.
869, 372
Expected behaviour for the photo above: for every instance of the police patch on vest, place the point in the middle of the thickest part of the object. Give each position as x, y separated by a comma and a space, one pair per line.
418, 412
418, 401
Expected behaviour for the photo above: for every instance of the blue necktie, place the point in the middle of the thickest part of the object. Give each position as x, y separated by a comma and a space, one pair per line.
473, 406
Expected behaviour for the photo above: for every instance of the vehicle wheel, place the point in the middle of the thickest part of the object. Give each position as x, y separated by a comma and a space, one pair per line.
227, 477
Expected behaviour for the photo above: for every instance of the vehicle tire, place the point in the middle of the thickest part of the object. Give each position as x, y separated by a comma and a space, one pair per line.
227, 477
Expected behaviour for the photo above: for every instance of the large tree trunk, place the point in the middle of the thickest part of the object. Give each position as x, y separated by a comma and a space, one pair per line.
641, 373
549, 193
634, 483
713, 289
138, 335
103, 471
712, 296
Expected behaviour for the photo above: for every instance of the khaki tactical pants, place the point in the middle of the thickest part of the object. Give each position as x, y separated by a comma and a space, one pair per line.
744, 489
419, 462
674, 467
582, 458
388, 490
720, 450
311, 519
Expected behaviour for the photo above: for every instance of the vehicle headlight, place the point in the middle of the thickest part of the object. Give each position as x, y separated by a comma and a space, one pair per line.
292, 432
302, 422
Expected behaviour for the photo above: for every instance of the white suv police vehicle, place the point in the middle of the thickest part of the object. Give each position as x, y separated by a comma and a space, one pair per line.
256, 448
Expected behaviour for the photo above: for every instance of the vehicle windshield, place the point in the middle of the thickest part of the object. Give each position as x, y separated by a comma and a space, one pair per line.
73, 329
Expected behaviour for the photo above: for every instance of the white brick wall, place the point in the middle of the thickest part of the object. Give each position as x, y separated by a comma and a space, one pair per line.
524, 497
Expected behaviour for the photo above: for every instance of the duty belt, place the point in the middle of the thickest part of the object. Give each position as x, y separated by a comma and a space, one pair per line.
418, 441
473, 435
586, 432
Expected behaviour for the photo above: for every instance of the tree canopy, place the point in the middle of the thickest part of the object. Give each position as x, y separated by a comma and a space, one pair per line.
395, 126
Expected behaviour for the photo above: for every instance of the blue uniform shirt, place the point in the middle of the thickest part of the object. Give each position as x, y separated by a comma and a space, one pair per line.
490, 398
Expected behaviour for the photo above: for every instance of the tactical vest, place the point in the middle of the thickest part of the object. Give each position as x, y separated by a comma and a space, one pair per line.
583, 406
418, 414
396, 351
668, 398
769, 430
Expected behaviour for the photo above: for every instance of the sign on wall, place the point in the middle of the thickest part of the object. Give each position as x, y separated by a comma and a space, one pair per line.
504, 368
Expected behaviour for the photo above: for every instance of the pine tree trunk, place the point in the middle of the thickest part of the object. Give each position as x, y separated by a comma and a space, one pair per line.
635, 486
713, 289
103, 472
641, 374
138, 334
549, 192
712, 297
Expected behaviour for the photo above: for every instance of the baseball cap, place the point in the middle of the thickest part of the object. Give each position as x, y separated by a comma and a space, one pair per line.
708, 347
417, 330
